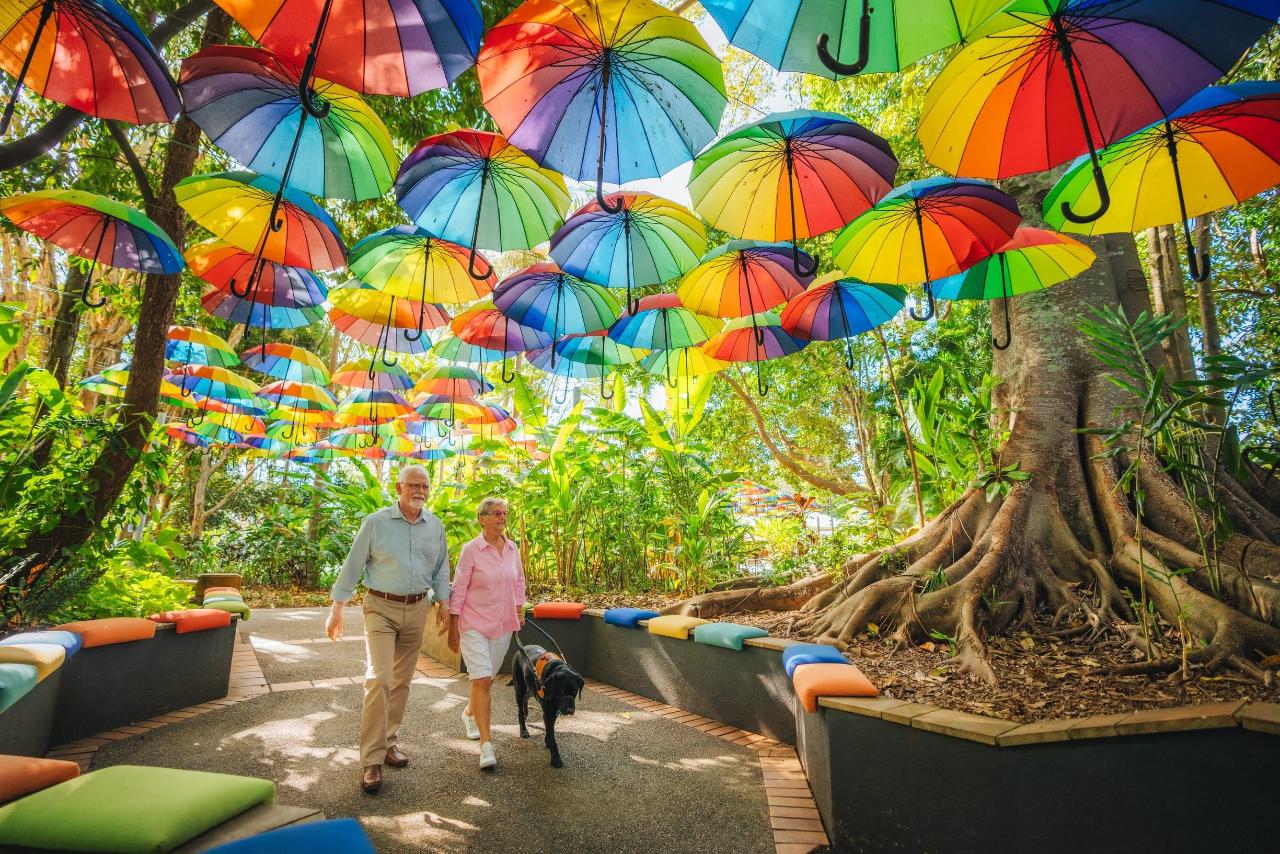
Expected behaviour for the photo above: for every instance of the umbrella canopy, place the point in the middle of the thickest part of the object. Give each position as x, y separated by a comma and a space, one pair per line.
372, 407
586, 356
681, 363
187, 435
791, 175
198, 347
372, 374
632, 239
90, 55
382, 321
754, 339
246, 100
231, 269
95, 228
453, 381
300, 396
834, 307
1055, 79
359, 441
661, 322
613, 90
1219, 148
476, 188
484, 326
549, 299
236, 309
242, 423
1033, 260
434, 407
453, 349
212, 381
286, 362
925, 230
744, 277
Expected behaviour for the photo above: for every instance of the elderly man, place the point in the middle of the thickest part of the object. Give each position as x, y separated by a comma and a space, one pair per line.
402, 553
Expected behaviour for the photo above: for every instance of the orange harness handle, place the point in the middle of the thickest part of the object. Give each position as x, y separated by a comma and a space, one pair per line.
539, 666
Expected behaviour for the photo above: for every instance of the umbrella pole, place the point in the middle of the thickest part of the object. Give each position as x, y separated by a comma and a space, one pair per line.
93, 265
475, 230
864, 46
272, 222
305, 94
791, 197
1004, 301
422, 300
924, 260
1199, 269
606, 74
626, 236
844, 319
46, 11
1104, 195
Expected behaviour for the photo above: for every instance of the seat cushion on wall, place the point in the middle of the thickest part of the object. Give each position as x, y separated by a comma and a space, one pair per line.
194, 619
812, 681
810, 653
223, 597
558, 610
129, 808
674, 625
629, 617
46, 657
341, 834
234, 606
727, 635
70, 641
214, 590
16, 680
110, 630
22, 775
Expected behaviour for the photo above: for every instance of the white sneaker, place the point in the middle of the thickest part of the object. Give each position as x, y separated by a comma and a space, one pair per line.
488, 758
473, 731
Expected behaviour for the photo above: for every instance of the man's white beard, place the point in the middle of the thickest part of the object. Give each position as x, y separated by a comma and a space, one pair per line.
416, 502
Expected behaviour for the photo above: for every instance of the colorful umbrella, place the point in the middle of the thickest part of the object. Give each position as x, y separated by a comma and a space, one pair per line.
244, 424
925, 230
299, 396
223, 265
247, 101
475, 188
1033, 260
683, 362
661, 322
87, 54
623, 83
234, 309
286, 362
368, 443
212, 381
447, 408
549, 299
744, 277
382, 321
1219, 148
453, 349
792, 175
1055, 79
372, 374
834, 307
453, 381
754, 339
484, 326
631, 239
586, 356
95, 228
100, 383
187, 435
370, 408
198, 347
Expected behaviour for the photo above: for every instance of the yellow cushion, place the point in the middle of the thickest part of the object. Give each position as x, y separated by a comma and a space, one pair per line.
47, 657
674, 625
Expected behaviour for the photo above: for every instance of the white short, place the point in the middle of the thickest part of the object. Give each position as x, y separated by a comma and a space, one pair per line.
483, 656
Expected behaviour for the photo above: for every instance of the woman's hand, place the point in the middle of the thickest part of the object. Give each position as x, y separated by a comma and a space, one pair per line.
520, 616
455, 635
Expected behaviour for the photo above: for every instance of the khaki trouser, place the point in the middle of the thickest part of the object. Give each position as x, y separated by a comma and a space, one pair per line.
392, 638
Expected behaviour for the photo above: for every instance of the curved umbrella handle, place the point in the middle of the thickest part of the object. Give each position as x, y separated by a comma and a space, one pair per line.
603, 396
198, 420
600, 199
478, 275
849, 361
797, 267
1104, 196
305, 95
864, 46
562, 394
762, 385
932, 306
605, 77
505, 378
45, 12
1008, 329
1199, 270
441, 430
84, 292
387, 359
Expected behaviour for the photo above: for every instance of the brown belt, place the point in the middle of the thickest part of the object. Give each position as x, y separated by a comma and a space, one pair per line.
396, 597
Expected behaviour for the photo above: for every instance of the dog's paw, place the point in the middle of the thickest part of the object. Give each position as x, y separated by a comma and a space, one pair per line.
524, 733
556, 763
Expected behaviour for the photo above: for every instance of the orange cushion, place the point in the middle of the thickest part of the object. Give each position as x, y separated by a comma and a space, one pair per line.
111, 630
559, 610
812, 681
22, 775
209, 590
194, 619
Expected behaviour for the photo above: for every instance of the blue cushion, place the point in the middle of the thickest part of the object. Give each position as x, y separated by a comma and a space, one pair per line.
629, 617
727, 635
15, 681
810, 653
70, 641
341, 834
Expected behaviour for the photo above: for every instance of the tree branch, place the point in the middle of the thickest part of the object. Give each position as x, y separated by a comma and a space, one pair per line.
131, 157
231, 493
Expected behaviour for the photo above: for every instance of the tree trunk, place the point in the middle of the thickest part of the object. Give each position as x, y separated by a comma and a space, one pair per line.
1209, 332
1168, 292
66, 327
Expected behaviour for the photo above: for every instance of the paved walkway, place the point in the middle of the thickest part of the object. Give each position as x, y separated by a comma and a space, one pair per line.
638, 775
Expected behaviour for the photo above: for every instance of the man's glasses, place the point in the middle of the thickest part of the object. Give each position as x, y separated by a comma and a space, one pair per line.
417, 487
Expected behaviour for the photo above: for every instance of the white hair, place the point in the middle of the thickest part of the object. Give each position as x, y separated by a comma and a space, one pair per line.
412, 467
490, 502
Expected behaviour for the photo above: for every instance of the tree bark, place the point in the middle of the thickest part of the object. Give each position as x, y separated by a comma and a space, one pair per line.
1209, 332
1168, 291
66, 327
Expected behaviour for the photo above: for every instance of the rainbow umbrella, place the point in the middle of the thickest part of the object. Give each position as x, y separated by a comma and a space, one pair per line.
90, 55
382, 321
490, 416
234, 309
198, 347
1219, 148
792, 175
360, 441
623, 83
97, 229
549, 299
452, 381
454, 349
247, 101
1033, 260
371, 408
631, 239
588, 355
927, 229
743, 278
834, 307
754, 339
187, 435
449, 409
681, 363
244, 424
372, 374
661, 322
1055, 79
300, 396
276, 285
484, 326
475, 188
286, 362
212, 381
289, 433
101, 383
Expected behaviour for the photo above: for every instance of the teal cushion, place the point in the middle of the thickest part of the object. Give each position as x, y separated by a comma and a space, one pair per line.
15, 681
727, 635
127, 808
234, 606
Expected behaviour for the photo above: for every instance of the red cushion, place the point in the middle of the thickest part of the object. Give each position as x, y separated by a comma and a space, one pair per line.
558, 610
194, 619
22, 775
812, 681
110, 630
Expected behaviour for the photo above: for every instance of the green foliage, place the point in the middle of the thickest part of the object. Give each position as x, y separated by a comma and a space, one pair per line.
136, 582
955, 445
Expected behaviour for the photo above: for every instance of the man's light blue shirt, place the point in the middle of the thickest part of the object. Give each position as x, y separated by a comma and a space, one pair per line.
396, 556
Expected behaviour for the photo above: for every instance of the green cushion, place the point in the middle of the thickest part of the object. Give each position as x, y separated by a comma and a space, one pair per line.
127, 808
223, 597
727, 635
235, 607
15, 681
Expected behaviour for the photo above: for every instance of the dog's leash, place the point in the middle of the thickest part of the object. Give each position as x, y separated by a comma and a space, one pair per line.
537, 681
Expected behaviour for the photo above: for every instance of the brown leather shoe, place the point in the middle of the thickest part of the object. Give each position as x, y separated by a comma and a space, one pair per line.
395, 758
372, 780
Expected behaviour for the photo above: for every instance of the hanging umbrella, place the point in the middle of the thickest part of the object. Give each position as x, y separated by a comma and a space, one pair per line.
871, 35
588, 355
475, 188
623, 89
371, 408
361, 441
452, 381
291, 434
436, 407
223, 265
490, 419
453, 349
198, 347
372, 374
834, 307
1033, 260
242, 423
924, 230
1218, 149
95, 228
484, 326
247, 101
1055, 79
407, 262
90, 55
382, 321
754, 339
661, 322
234, 309
549, 299
301, 396
792, 175
631, 240
212, 381
187, 435
286, 362
99, 383
681, 363
743, 278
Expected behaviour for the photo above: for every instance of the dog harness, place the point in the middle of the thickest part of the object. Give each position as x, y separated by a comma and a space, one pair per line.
539, 666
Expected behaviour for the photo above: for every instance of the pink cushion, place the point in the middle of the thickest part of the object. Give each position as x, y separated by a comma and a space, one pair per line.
194, 619
558, 610
110, 630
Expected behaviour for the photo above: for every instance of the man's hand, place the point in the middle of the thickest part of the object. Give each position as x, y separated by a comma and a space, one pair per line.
333, 623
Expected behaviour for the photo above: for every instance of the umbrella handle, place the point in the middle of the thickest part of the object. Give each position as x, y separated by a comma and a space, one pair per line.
1199, 269
93, 265
305, 95
441, 430
478, 275
475, 232
422, 318
864, 46
1104, 196
762, 385
505, 378
605, 76
848, 355
932, 306
45, 12
603, 395
1004, 301
798, 267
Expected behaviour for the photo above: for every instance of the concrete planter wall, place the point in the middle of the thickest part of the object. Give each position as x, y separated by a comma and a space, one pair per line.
24, 726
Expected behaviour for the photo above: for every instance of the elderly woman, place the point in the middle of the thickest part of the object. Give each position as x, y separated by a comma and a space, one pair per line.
485, 608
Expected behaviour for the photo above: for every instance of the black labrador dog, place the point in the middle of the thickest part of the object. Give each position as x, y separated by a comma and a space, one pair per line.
554, 683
